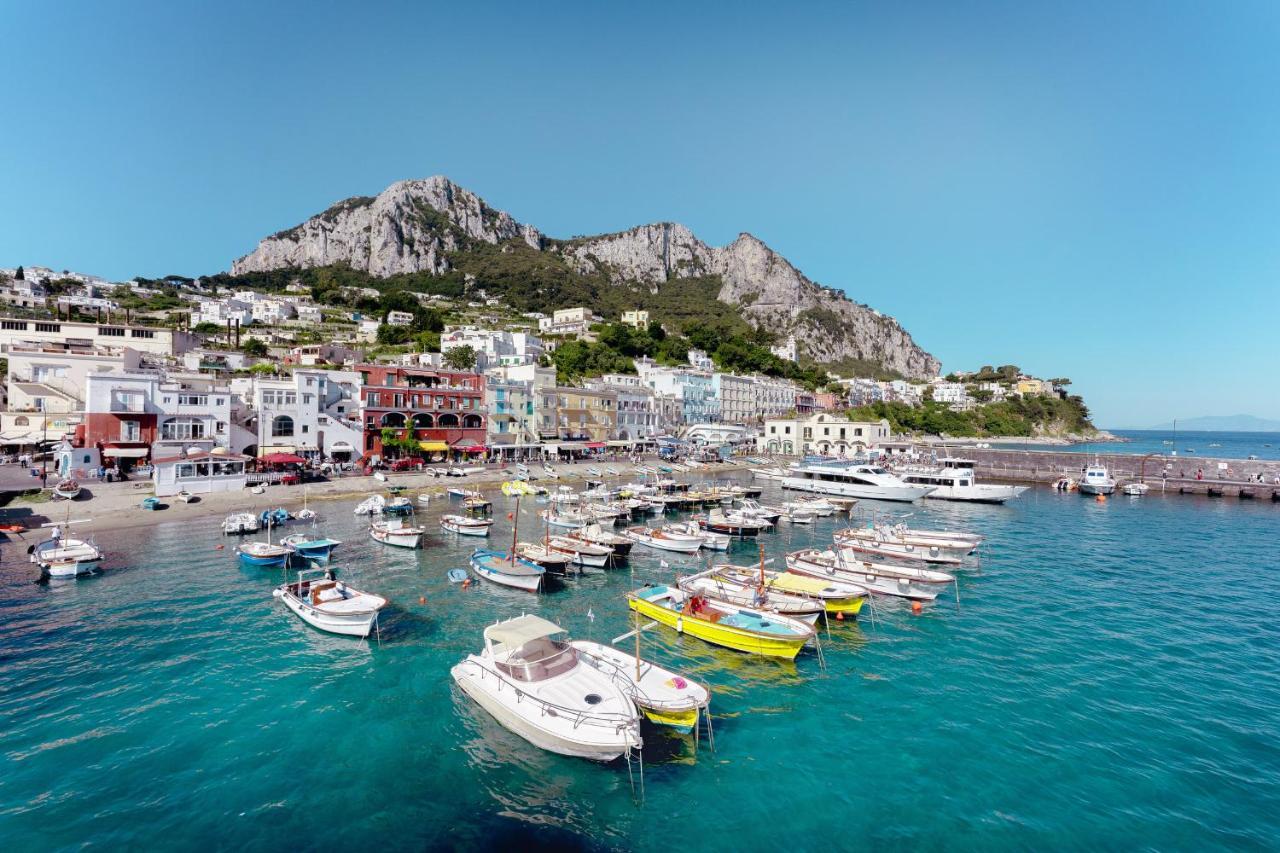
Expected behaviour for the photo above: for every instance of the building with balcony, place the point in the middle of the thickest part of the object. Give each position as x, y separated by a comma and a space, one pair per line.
513, 412
822, 434
146, 339
567, 321
774, 396
312, 413
441, 410
636, 319
50, 377
637, 411
578, 414
736, 396
138, 414
692, 387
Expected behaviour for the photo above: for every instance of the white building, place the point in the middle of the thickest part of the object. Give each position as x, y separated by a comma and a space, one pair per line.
368, 332
272, 312
822, 434
312, 413
51, 377
399, 318
700, 360
494, 347
774, 396
737, 397
952, 394
567, 321
636, 319
147, 339
223, 311
786, 350
198, 473
310, 313
637, 409
714, 435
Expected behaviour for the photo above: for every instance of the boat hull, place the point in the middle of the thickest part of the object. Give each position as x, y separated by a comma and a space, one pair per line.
348, 625
720, 635
527, 582
264, 562
903, 494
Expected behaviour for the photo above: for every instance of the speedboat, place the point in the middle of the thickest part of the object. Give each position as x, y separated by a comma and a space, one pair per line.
394, 531
398, 506
753, 509
330, 605
798, 512
67, 490
538, 686
307, 547
956, 480
1136, 488
664, 697
1097, 481
728, 625
730, 523
852, 480
662, 541
582, 552
273, 517
466, 526
501, 567
241, 522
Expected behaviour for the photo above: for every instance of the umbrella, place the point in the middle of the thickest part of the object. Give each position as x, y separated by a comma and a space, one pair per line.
282, 459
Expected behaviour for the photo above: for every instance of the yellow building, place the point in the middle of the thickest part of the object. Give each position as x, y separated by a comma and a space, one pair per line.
636, 319
580, 414
1031, 387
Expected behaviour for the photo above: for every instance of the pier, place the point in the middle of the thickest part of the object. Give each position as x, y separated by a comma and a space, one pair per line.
1231, 478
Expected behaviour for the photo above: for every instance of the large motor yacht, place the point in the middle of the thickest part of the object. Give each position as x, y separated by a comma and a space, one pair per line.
853, 480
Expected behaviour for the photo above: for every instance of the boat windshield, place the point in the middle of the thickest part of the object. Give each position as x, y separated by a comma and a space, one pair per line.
539, 660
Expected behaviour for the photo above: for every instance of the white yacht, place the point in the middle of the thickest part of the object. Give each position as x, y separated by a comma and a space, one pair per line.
1096, 480
956, 480
539, 688
853, 480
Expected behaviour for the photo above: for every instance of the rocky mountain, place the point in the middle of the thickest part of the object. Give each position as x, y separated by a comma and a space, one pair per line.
433, 226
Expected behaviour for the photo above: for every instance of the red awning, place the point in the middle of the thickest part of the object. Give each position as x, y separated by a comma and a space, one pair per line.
595, 445
475, 448
282, 459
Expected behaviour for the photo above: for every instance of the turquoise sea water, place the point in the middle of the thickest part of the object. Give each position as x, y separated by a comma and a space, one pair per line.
1108, 681
1189, 444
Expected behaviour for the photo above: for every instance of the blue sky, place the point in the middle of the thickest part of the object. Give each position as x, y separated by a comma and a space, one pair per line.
1085, 189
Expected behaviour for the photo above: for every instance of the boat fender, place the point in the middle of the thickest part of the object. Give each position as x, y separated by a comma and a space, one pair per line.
840, 617
679, 624
917, 608
218, 547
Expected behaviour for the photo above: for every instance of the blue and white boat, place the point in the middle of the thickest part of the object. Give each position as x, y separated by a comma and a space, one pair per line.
264, 555
307, 547
502, 568
273, 517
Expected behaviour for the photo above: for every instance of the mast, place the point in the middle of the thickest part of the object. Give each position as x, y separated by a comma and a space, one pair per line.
515, 525
635, 615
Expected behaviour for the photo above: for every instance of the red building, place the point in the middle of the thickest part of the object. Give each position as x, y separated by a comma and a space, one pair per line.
442, 410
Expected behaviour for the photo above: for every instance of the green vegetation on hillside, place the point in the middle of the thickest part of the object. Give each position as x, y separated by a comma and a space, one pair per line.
1019, 416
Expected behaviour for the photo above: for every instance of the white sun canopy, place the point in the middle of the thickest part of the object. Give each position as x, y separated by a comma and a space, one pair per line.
522, 629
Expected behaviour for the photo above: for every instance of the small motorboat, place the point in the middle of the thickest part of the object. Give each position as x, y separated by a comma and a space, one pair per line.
656, 538
241, 522
539, 687
898, 550
1138, 489
151, 503
944, 540
664, 697
762, 512
835, 596
728, 588
731, 626
64, 557
307, 547
551, 560
477, 503
828, 565
67, 490
730, 523
711, 541
597, 535
798, 513
581, 552
503, 568
273, 517
394, 531
594, 471
424, 499
324, 602
371, 505
466, 526
566, 518
398, 506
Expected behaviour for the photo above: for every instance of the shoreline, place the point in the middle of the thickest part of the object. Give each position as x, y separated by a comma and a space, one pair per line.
117, 506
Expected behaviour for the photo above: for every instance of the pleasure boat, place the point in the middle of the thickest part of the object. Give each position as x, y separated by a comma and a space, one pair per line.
67, 490
1096, 480
956, 480
662, 541
330, 605
852, 480
538, 686
1138, 489
742, 628
597, 535
566, 518
664, 697
64, 557
502, 568
877, 547
710, 540
551, 560
729, 589
833, 566
753, 509
371, 505
730, 523
241, 522
263, 555
835, 596
307, 547
900, 534
394, 531
798, 512
466, 526
582, 552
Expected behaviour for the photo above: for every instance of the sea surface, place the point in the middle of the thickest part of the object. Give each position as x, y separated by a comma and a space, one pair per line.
1223, 445
1108, 680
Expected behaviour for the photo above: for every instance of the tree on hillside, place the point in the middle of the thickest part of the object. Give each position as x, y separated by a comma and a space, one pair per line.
656, 332
206, 328
20, 274
461, 358
254, 347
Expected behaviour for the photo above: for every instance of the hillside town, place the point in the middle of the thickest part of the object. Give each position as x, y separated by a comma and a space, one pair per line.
128, 374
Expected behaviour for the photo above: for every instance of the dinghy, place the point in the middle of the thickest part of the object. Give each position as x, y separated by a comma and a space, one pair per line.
663, 542
62, 556
67, 490
394, 531
729, 590
835, 596
501, 567
539, 687
731, 524
582, 552
324, 602
740, 628
465, 526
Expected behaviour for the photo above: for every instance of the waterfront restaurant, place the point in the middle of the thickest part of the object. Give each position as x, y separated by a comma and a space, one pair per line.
199, 473
441, 412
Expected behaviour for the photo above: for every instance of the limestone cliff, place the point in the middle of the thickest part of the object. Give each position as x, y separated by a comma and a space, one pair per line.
417, 226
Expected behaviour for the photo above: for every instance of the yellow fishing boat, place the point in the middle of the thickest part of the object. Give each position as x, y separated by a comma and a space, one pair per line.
664, 697
722, 624
836, 596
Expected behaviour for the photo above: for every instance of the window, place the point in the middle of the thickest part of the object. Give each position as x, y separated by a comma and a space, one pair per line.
306, 429
221, 427
141, 333
111, 331
130, 431
192, 400
182, 429
282, 427
307, 398
53, 328
186, 470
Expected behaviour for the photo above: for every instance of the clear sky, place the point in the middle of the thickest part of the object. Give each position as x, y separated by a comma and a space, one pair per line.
1084, 189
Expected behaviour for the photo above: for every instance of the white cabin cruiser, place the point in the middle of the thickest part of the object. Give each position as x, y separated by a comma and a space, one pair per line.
852, 480
1096, 481
539, 687
956, 480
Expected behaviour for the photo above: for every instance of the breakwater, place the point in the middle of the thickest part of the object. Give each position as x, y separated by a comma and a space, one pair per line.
1179, 474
